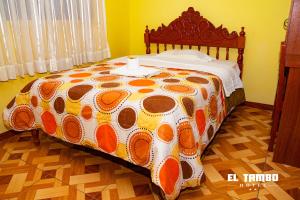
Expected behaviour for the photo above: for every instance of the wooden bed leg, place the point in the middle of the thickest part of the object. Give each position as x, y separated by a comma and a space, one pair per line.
203, 178
35, 137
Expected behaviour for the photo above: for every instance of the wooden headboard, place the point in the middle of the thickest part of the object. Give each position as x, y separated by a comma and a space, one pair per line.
192, 29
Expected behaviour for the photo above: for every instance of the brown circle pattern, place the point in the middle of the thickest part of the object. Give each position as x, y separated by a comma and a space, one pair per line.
213, 107
28, 86
216, 84
171, 80
11, 103
110, 85
77, 92
210, 132
204, 93
187, 170
102, 64
158, 104
195, 79
59, 105
188, 104
204, 73
53, 76
127, 118
102, 68
104, 72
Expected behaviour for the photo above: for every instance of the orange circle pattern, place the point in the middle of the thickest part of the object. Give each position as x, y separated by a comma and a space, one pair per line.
107, 78
162, 75
141, 82
200, 121
145, 90
48, 89
87, 112
106, 138
139, 148
76, 80
49, 122
165, 133
22, 118
72, 129
187, 142
120, 64
80, 75
168, 175
180, 89
183, 73
102, 68
34, 101
109, 100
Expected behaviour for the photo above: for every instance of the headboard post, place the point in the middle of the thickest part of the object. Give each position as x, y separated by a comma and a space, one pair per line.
147, 40
241, 47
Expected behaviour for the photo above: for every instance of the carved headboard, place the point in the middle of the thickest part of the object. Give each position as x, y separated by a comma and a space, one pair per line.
192, 29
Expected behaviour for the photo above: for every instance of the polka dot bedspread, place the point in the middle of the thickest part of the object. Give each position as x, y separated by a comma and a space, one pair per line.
162, 123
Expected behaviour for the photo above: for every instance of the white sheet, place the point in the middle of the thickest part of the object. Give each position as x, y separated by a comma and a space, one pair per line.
227, 71
136, 71
186, 53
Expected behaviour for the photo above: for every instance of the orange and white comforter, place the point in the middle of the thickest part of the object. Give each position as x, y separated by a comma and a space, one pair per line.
161, 123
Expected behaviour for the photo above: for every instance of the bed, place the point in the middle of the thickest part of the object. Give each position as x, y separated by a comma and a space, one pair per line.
163, 122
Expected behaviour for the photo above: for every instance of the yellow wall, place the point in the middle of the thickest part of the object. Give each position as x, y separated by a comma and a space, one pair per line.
263, 21
126, 20
117, 12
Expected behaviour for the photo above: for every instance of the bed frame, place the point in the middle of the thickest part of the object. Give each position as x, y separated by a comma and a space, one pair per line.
189, 29
192, 29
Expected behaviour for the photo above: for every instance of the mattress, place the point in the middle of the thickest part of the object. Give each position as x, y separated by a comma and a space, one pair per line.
162, 123
228, 71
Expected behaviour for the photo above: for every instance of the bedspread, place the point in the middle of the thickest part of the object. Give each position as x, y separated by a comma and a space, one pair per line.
162, 123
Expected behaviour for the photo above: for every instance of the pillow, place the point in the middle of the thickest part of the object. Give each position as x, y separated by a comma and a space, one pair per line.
167, 53
188, 54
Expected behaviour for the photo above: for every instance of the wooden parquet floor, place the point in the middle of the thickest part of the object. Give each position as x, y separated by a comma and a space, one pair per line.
56, 170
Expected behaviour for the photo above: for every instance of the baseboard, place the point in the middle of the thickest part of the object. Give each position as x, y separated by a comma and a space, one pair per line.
259, 105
